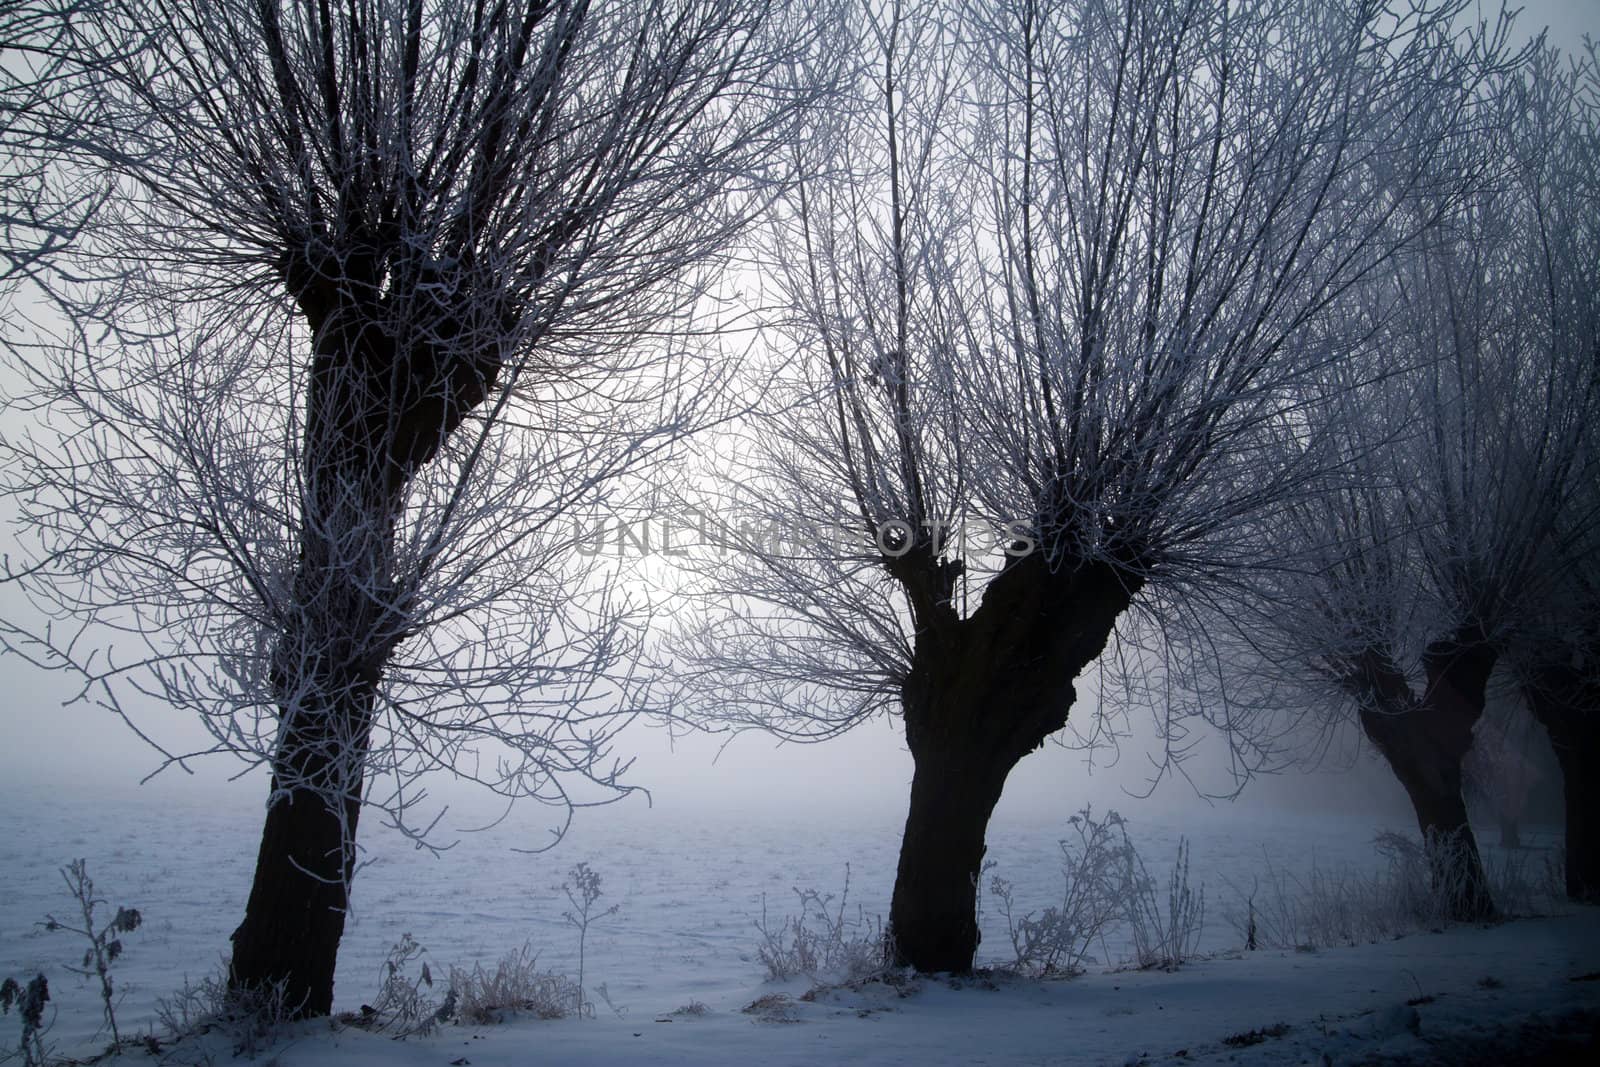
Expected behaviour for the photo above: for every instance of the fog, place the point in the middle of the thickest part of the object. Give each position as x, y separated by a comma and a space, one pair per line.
46, 742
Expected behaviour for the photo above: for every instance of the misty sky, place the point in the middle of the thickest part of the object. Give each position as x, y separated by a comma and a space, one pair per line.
41, 741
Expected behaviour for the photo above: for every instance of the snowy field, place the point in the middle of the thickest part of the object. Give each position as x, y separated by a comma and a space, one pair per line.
691, 885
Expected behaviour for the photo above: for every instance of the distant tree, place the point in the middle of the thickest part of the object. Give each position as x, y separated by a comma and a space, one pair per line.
1502, 769
1426, 558
387, 288
1557, 163
1053, 314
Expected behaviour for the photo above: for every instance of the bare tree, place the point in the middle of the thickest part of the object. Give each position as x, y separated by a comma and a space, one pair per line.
1428, 559
1557, 166
1503, 769
1353, 624
400, 283
1067, 285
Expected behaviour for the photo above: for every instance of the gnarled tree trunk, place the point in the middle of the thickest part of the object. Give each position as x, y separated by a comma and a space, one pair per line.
1425, 740
327, 668
1569, 710
294, 918
983, 692
378, 409
933, 915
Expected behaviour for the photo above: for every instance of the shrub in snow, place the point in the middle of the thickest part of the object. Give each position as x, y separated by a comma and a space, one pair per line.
1417, 885
772, 1008
515, 985
1164, 937
1527, 882
1323, 907
1332, 906
1105, 886
30, 1000
251, 1018
1420, 876
583, 891
1097, 865
825, 942
401, 1006
1551, 885
104, 944
1346, 907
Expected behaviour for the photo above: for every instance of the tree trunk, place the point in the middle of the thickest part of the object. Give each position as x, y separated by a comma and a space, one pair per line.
326, 669
982, 693
1577, 750
933, 915
295, 916
1558, 703
1425, 741
341, 628
327, 678
1431, 775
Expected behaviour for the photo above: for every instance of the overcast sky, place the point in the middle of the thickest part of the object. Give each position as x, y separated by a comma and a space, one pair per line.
1569, 20
42, 741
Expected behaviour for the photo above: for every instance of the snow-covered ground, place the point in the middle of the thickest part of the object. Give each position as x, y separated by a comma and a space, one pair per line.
1348, 1004
690, 885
